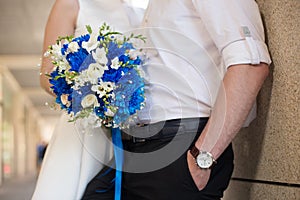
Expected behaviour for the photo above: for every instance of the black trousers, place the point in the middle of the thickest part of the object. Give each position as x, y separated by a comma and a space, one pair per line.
150, 180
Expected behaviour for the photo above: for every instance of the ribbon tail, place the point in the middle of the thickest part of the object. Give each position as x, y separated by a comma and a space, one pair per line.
118, 153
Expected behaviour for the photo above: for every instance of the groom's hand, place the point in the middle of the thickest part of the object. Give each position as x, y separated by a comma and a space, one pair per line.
200, 176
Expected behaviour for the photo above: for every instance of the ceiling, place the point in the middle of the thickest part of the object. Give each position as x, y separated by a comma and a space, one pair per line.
22, 25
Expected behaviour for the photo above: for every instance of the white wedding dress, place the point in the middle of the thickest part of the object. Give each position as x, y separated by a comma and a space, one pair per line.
75, 156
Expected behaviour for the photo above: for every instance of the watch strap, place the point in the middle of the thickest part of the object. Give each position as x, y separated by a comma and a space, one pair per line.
194, 151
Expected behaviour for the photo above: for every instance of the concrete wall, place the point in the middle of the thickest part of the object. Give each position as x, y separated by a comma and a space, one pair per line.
267, 154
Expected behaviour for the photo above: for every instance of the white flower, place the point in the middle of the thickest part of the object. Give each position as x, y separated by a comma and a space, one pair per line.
103, 88
112, 95
100, 56
56, 52
73, 47
133, 54
89, 100
115, 64
87, 124
109, 113
95, 71
63, 64
80, 80
92, 43
64, 100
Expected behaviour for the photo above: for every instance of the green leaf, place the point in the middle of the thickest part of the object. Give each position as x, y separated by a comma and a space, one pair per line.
89, 29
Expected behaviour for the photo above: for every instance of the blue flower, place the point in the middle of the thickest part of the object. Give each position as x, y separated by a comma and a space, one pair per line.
124, 58
101, 109
127, 45
136, 101
125, 98
82, 38
86, 62
64, 49
129, 95
114, 75
114, 51
78, 95
60, 87
76, 59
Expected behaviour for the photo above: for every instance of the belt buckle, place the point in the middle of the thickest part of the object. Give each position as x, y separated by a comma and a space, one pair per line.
138, 140
141, 124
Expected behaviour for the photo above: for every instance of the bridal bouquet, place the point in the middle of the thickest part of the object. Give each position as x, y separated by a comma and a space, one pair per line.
97, 76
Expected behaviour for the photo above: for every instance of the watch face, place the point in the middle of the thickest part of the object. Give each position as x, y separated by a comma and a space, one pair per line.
204, 160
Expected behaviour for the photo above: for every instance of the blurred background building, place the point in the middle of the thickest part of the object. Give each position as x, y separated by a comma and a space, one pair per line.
267, 153
25, 119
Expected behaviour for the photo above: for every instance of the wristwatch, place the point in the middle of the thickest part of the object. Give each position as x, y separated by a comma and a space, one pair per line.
204, 159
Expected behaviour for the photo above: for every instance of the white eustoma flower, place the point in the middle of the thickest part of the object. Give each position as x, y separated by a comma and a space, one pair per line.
95, 71
89, 101
115, 64
92, 43
73, 47
103, 88
100, 56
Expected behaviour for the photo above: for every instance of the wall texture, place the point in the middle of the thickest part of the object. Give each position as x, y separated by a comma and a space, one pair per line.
267, 154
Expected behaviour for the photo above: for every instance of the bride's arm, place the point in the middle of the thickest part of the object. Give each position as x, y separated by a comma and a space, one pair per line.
61, 22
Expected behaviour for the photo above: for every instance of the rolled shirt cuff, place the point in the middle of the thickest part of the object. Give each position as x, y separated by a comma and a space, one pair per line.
246, 52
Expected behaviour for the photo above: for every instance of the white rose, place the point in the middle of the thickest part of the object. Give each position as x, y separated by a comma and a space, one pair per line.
89, 100
73, 47
115, 63
100, 56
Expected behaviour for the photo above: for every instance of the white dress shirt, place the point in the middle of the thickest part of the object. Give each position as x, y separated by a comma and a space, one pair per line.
191, 44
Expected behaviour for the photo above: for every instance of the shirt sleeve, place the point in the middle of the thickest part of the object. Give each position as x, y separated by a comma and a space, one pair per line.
236, 28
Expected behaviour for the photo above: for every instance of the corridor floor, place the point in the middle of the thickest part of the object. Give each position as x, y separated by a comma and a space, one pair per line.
18, 189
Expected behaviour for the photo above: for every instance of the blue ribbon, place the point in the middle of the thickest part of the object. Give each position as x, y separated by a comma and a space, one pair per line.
118, 153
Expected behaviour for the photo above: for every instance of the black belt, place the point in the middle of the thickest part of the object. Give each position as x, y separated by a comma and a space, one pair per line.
166, 129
